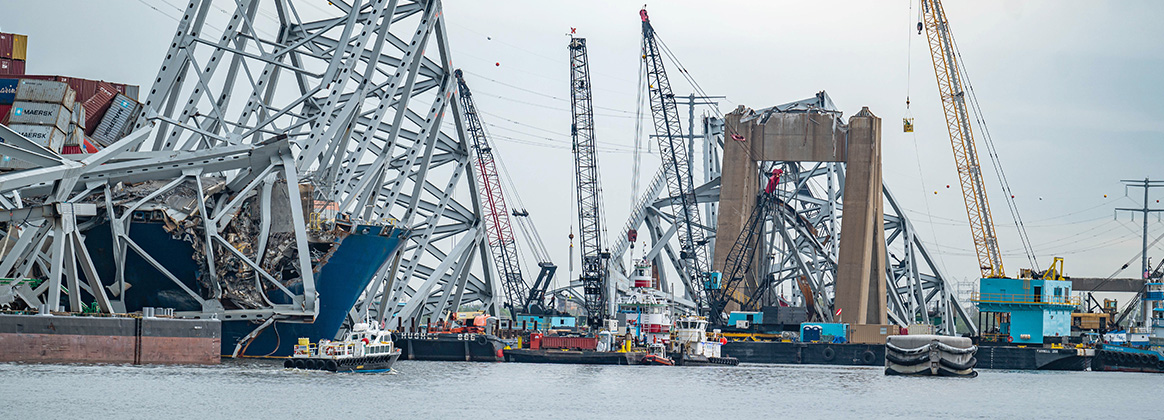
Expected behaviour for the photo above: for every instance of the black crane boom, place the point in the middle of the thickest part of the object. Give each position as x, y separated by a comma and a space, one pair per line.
590, 221
677, 167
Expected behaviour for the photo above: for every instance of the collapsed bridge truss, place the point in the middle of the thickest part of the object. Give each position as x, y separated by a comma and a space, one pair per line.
270, 127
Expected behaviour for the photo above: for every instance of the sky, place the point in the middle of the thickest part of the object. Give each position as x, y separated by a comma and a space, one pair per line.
1069, 90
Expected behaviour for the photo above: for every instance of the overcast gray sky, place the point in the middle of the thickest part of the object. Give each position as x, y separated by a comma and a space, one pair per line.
1070, 90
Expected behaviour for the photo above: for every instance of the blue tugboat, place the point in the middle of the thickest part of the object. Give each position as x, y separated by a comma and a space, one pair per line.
1142, 349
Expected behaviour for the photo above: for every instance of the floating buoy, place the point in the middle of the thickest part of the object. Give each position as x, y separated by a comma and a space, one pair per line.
497, 64
1012, 196
1105, 196
947, 185
935, 193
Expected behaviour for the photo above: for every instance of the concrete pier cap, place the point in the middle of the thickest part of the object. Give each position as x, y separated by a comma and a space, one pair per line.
812, 130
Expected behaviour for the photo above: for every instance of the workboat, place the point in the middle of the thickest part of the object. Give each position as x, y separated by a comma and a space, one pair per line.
657, 355
645, 311
1136, 349
692, 346
365, 349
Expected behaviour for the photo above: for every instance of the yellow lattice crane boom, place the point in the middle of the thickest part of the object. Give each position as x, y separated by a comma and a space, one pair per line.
951, 87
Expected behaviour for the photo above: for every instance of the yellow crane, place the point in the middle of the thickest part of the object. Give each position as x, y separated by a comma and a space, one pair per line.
951, 86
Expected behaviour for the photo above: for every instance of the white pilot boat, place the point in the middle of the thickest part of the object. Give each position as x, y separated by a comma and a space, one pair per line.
365, 349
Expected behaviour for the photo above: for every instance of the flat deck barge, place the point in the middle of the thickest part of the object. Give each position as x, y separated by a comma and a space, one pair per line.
109, 339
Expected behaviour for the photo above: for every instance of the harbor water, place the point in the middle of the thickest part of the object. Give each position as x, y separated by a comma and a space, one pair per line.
440, 390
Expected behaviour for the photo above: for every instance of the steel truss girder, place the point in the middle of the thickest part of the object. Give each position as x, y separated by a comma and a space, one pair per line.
357, 96
806, 246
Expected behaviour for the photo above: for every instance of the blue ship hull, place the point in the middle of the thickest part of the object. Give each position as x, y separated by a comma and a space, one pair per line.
339, 281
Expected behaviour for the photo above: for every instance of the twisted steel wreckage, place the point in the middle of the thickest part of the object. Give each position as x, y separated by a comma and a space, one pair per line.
292, 179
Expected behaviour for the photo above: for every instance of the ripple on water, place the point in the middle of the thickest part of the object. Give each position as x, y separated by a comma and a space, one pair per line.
424, 390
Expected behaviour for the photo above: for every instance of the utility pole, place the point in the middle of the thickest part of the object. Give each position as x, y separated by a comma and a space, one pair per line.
1145, 269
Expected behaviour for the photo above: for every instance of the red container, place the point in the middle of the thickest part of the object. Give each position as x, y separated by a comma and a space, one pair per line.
573, 343
6, 45
11, 67
4, 110
535, 341
97, 104
86, 88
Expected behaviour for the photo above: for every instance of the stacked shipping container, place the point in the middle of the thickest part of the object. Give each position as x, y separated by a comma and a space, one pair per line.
43, 113
13, 53
59, 111
95, 95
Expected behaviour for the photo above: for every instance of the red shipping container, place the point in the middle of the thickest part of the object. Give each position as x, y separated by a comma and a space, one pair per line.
97, 104
85, 88
4, 110
6, 45
11, 67
575, 343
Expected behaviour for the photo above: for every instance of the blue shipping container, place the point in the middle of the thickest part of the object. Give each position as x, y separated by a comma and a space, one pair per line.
8, 91
751, 317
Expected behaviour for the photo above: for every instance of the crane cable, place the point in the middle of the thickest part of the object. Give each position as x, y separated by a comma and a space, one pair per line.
525, 224
638, 136
994, 158
916, 150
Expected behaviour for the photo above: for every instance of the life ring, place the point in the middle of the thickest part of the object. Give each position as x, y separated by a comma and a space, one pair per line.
868, 357
366, 341
481, 339
330, 351
829, 354
722, 341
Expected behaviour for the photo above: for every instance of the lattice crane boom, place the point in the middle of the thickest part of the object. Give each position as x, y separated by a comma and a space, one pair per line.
951, 87
740, 259
676, 165
594, 275
495, 215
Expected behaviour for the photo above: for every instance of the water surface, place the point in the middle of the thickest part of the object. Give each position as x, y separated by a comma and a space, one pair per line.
444, 390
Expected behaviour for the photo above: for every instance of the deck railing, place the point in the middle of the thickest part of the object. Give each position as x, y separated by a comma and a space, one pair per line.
1023, 298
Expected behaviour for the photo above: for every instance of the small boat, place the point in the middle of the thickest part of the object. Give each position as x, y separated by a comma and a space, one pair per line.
657, 356
366, 348
692, 347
